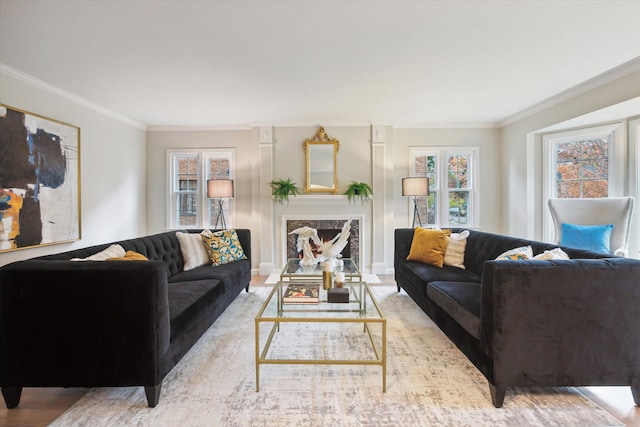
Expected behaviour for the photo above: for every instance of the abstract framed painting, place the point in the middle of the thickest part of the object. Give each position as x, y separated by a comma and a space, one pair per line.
39, 180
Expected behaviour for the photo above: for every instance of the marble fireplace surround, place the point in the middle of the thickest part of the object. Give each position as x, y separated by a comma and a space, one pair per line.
322, 222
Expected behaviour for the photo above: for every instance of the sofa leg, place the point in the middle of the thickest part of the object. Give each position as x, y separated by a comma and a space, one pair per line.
11, 396
497, 395
399, 287
635, 390
153, 394
247, 288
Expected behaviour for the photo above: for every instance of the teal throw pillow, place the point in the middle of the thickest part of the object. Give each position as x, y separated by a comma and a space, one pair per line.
592, 237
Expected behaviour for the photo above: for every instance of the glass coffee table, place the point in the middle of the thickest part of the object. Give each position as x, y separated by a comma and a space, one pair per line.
362, 308
294, 271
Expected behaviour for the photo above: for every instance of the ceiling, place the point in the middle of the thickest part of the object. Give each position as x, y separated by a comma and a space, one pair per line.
236, 63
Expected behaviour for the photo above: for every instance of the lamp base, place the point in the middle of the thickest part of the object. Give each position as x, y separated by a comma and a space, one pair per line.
220, 217
416, 214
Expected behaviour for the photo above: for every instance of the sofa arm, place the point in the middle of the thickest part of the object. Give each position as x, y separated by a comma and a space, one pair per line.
403, 238
559, 323
82, 323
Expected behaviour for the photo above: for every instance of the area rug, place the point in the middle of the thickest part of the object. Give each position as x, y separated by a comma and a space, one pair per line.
429, 382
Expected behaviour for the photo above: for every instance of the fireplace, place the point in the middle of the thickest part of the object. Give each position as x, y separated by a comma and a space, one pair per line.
327, 229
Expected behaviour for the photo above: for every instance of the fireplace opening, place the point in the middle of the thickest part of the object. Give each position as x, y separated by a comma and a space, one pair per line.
327, 230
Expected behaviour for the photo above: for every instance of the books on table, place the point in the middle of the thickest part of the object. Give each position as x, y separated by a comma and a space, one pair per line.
302, 293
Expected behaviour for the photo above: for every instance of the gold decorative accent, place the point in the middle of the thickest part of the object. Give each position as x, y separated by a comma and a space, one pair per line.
321, 153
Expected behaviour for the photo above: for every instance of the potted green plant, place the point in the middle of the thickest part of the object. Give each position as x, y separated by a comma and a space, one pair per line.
283, 188
358, 190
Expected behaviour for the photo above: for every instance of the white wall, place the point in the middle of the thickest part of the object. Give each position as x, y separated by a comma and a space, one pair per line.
488, 140
284, 157
112, 169
522, 202
246, 161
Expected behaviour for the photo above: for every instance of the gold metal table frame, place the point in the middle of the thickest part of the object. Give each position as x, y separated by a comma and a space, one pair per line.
362, 308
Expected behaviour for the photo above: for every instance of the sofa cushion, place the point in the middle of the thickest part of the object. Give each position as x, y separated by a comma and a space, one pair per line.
431, 273
188, 299
428, 246
130, 256
227, 274
517, 254
591, 237
194, 254
556, 253
454, 255
113, 251
461, 301
223, 246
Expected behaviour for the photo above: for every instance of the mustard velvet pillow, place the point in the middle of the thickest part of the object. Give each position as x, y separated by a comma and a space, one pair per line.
429, 246
130, 256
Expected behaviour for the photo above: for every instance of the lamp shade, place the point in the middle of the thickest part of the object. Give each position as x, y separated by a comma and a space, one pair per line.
415, 186
219, 188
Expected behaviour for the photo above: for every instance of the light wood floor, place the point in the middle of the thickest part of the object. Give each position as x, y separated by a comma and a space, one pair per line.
40, 406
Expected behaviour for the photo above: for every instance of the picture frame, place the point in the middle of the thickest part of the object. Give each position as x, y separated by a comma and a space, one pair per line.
39, 180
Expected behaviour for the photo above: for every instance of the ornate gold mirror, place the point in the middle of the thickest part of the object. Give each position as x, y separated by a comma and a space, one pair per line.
321, 154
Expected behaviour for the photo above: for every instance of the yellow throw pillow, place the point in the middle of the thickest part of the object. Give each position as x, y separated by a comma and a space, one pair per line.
130, 256
428, 246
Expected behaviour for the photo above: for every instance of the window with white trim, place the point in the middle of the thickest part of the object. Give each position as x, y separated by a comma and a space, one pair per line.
452, 173
189, 171
582, 163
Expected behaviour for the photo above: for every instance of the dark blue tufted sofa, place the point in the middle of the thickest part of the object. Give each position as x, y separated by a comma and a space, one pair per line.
533, 323
111, 323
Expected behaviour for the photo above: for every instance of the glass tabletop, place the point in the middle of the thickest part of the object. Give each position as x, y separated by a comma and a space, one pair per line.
362, 305
294, 270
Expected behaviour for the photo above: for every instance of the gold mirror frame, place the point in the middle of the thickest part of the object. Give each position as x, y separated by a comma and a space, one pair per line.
322, 170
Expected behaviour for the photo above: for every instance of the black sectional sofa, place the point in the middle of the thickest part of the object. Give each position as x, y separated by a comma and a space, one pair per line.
533, 323
109, 323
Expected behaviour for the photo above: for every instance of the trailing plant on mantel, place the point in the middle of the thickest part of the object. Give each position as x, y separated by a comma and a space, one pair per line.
358, 190
283, 188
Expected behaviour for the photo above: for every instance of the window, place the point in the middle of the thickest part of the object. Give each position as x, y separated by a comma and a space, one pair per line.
581, 167
189, 171
582, 163
452, 185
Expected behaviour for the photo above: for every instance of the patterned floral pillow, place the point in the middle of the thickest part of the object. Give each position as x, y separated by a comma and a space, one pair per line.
223, 246
517, 254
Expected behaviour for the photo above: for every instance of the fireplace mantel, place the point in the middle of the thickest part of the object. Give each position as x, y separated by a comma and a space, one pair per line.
322, 199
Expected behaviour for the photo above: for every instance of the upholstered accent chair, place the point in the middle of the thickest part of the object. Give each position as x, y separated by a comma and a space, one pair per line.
611, 210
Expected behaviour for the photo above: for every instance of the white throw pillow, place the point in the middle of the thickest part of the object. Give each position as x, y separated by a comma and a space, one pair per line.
194, 254
113, 251
454, 255
555, 253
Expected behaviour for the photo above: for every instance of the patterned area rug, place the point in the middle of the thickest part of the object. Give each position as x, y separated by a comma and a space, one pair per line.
429, 382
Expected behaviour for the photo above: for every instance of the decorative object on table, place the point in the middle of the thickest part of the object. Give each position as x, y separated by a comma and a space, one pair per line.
301, 293
327, 276
340, 295
220, 189
303, 245
282, 189
416, 187
332, 249
358, 190
339, 279
39, 180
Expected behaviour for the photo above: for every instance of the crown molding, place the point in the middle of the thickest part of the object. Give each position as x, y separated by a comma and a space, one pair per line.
600, 80
29, 79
